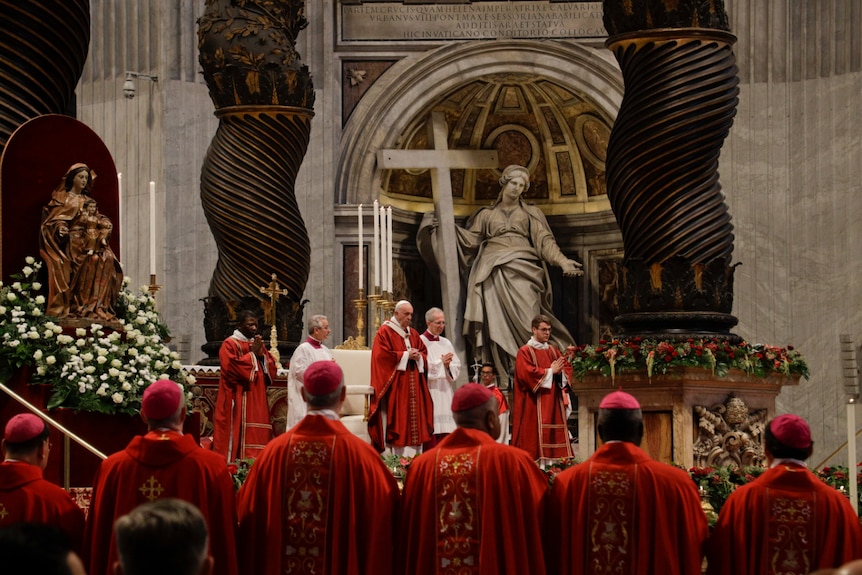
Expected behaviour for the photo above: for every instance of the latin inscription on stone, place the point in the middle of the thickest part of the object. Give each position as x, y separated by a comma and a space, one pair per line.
394, 21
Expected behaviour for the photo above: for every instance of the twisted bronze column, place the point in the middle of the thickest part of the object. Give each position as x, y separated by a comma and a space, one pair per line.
43, 47
680, 98
264, 98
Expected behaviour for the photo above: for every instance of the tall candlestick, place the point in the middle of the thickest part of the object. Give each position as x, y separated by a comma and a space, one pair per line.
383, 283
389, 246
375, 243
360, 246
120, 228
152, 228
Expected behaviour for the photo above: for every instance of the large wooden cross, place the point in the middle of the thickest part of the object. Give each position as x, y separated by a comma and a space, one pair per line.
440, 160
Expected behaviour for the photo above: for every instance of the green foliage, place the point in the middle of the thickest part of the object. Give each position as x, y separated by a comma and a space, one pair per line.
658, 357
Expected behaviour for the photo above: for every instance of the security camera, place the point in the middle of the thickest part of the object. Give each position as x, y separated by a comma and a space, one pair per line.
129, 87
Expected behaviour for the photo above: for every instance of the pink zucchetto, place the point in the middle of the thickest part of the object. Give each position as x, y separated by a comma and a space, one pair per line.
322, 377
23, 427
791, 430
161, 399
619, 400
470, 395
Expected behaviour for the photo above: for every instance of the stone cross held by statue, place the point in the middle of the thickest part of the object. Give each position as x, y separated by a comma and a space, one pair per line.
273, 291
440, 161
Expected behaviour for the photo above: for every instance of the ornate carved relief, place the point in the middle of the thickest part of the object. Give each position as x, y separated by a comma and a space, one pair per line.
729, 434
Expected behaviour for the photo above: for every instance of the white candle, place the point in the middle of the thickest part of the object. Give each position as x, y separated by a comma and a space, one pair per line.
375, 245
383, 248
360, 247
152, 228
389, 246
119, 227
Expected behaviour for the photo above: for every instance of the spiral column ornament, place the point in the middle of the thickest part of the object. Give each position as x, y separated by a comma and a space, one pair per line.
43, 47
264, 100
681, 93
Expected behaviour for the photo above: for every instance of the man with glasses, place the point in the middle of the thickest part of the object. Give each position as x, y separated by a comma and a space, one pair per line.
541, 399
309, 351
489, 380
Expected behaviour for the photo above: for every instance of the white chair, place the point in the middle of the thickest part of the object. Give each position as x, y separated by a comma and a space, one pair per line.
356, 365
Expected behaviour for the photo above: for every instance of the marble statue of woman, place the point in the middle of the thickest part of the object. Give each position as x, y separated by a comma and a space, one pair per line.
505, 250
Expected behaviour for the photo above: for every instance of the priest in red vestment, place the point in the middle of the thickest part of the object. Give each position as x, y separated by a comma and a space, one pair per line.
241, 422
401, 415
25, 497
621, 512
163, 463
318, 499
471, 505
787, 520
541, 400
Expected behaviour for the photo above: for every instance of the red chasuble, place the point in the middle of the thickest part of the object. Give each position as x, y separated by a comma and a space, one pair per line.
538, 414
402, 394
26, 497
787, 522
241, 422
318, 500
154, 466
473, 506
622, 513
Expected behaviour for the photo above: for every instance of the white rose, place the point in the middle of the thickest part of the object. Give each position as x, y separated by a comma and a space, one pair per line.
2, 310
15, 343
101, 391
64, 339
117, 397
27, 271
126, 386
33, 335
16, 285
116, 363
37, 355
140, 320
103, 377
11, 296
160, 365
114, 372
95, 327
132, 308
50, 360
82, 388
176, 364
190, 379
37, 312
72, 349
133, 352
90, 369
37, 286
41, 370
101, 359
88, 357
40, 299
58, 329
29, 260
80, 332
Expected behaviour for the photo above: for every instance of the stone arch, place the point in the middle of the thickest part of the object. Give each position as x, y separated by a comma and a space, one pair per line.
407, 88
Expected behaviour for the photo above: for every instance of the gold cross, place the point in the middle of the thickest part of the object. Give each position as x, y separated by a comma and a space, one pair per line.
151, 488
273, 290
3, 512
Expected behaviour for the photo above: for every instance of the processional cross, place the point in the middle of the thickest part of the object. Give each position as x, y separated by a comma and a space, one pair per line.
440, 161
273, 290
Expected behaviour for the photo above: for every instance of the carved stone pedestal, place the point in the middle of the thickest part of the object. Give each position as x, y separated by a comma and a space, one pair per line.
688, 408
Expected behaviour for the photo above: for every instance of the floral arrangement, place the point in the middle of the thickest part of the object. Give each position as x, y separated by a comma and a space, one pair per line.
91, 369
717, 483
397, 464
554, 467
657, 357
239, 471
838, 477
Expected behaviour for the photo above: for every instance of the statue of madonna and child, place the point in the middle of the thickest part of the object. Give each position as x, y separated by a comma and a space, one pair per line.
504, 252
84, 275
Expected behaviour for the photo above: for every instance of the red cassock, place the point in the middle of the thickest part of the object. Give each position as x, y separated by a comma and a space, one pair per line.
786, 521
241, 422
402, 394
473, 506
621, 512
318, 500
154, 466
538, 414
26, 497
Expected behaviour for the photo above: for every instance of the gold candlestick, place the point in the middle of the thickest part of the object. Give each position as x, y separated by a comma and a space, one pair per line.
375, 298
153, 287
360, 304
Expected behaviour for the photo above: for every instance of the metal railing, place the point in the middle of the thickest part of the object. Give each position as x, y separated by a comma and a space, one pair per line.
67, 433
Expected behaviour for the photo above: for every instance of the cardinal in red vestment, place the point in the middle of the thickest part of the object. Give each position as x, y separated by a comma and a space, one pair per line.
471, 502
541, 400
241, 422
163, 463
621, 512
25, 497
787, 520
318, 499
401, 415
